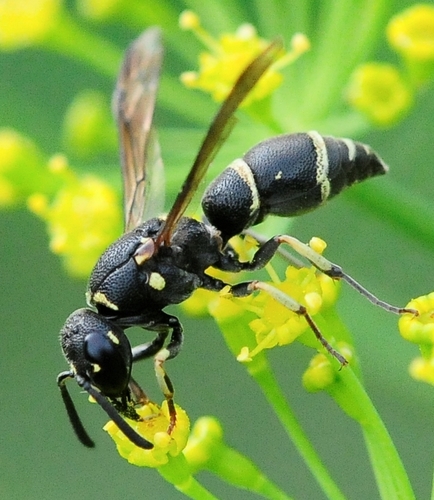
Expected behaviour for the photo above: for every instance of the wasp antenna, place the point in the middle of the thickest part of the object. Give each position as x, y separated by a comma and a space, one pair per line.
129, 432
75, 420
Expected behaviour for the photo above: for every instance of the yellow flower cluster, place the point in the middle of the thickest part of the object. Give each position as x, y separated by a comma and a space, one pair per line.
272, 323
384, 92
26, 22
380, 93
229, 55
153, 427
83, 218
420, 330
411, 33
276, 324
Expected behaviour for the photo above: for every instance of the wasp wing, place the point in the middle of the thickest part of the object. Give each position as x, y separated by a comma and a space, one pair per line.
133, 106
217, 133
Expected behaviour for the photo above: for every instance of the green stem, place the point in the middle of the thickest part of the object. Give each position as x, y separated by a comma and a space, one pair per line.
391, 476
263, 375
207, 450
348, 31
177, 472
231, 466
237, 334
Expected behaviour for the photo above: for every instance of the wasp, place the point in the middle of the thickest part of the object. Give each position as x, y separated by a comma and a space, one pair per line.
163, 260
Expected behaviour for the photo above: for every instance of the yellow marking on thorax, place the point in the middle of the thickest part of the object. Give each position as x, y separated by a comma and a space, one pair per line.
156, 281
100, 298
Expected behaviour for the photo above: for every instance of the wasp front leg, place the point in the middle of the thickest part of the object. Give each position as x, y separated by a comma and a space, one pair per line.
161, 354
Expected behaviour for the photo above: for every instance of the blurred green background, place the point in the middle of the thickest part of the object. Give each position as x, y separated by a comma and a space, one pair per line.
39, 455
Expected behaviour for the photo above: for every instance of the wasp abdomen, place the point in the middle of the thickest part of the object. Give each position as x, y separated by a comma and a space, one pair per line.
286, 175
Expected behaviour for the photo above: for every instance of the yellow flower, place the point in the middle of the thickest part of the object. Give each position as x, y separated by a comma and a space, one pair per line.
229, 55
153, 427
419, 329
422, 369
205, 440
268, 312
378, 91
83, 218
26, 22
278, 325
321, 373
411, 33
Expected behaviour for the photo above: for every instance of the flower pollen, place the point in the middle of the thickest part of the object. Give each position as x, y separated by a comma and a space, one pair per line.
153, 427
229, 55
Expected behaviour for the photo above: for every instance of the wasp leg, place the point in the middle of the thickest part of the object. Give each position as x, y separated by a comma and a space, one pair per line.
248, 287
149, 349
162, 354
138, 393
292, 259
269, 248
336, 272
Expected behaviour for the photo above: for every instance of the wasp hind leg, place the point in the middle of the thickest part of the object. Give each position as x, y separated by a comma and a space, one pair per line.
246, 288
268, 249
336, 272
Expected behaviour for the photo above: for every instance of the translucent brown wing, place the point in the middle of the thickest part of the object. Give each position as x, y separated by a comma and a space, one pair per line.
133, 106
217, 133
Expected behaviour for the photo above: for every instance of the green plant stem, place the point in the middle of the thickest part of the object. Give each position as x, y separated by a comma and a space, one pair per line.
390, 474
177, 472
348, 32
233, 467
260, 370
237, 334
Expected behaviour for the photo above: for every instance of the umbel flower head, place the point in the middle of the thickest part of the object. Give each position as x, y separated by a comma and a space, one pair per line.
83, 218
411, 33
88, 126
26, 22
229, 55
420, 330
153, 427
379, 91
270, 322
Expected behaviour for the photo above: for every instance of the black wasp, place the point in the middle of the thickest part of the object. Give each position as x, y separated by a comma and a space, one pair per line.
163, 260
